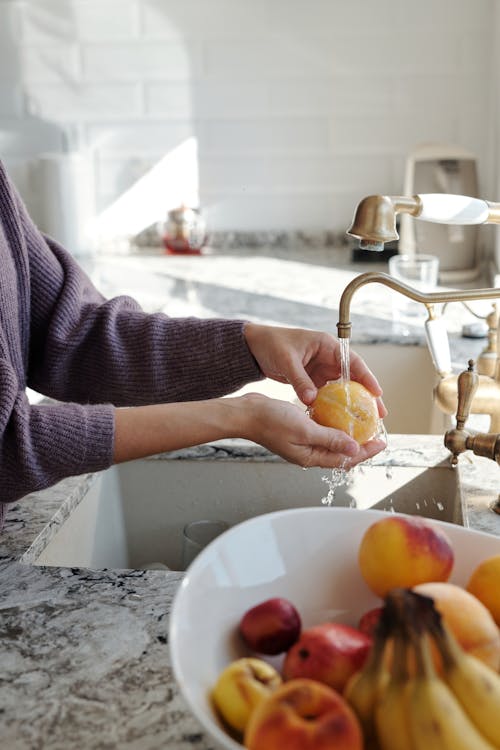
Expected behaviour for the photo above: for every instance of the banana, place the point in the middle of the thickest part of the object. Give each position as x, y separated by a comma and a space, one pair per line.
362, 692
437, 719
391, 711
475, 685
364, 688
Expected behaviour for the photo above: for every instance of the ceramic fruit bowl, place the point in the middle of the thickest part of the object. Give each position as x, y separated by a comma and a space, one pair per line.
306, 555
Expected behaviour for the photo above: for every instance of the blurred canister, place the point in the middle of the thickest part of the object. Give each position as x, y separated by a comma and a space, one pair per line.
65, 199
184, 231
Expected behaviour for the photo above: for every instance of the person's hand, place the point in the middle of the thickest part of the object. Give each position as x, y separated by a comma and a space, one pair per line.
306, 360
288, 431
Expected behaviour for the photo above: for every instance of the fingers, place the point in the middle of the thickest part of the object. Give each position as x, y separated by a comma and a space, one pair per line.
302, 383
340, 455
329, 441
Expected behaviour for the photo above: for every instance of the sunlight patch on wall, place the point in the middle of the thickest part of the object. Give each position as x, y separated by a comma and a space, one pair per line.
172, 182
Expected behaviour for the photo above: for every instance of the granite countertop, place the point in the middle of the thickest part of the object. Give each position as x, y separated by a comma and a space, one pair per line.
85, 660
294, 286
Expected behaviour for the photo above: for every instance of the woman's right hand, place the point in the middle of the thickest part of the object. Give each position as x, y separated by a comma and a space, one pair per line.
288, 431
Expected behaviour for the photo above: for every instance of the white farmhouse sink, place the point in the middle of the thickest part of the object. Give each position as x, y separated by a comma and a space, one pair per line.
134, 514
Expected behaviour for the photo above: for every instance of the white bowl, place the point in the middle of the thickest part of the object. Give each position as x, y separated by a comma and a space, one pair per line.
307, 555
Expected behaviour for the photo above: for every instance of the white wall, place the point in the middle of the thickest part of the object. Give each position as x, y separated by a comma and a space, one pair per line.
299, 107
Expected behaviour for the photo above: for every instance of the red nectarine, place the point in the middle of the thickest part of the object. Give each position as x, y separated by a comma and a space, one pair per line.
329, 653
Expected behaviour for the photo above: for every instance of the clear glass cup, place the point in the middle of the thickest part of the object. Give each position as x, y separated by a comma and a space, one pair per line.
420, 272
196, 535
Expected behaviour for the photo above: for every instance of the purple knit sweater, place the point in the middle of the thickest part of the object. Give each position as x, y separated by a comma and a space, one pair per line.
60, 337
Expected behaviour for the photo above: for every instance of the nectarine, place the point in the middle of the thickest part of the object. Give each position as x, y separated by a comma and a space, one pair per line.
470, 621
271, 627
330, 653
303, 715
348, 406
402, 551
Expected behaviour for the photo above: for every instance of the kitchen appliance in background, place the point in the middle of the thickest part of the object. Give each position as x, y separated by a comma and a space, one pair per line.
442, 168
65, 198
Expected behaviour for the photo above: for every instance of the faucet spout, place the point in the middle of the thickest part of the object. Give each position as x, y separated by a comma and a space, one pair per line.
344, 325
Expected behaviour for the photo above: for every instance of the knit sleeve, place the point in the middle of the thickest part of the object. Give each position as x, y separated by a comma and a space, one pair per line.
42, 444
91, 350
62, 338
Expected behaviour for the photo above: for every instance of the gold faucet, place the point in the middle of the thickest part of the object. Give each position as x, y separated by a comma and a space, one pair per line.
458, 439
429, 299
487, 393
374, 223
487, 398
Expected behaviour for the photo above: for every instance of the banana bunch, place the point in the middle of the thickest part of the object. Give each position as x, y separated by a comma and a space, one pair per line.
404, 703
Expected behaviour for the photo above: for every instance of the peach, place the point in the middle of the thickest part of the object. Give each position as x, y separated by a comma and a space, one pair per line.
347, 406
403, 551
484, 584
304, 715
240, 687
271, 627
329, 653
468, 619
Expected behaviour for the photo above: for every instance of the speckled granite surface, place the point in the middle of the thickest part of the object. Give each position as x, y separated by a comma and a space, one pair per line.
84, 660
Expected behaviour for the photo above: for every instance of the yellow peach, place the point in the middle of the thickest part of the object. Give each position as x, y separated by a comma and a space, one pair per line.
240, 687
469, 620
484, 584
402, 551
347, 406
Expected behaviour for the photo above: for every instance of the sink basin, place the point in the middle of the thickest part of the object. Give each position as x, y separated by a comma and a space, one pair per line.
134, 513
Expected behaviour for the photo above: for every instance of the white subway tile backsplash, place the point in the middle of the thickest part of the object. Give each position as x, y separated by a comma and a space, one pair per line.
172, 60
165, 18
299, 107
11, 100
279, 134
268, 56
96, 20
174, 99
50, 64
280, 210
138, 137
69, 102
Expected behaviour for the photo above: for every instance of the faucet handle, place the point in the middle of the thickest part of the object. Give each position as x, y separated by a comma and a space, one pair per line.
467, 383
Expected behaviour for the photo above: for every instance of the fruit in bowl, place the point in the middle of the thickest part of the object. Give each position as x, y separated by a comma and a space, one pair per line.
271, 627
240, 688
403, 551
329, 652
347, 406
484, 583
308, 556
303, 713
468, 619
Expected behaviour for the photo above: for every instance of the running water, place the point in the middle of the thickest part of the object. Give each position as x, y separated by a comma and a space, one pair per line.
339, 476
345, 360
